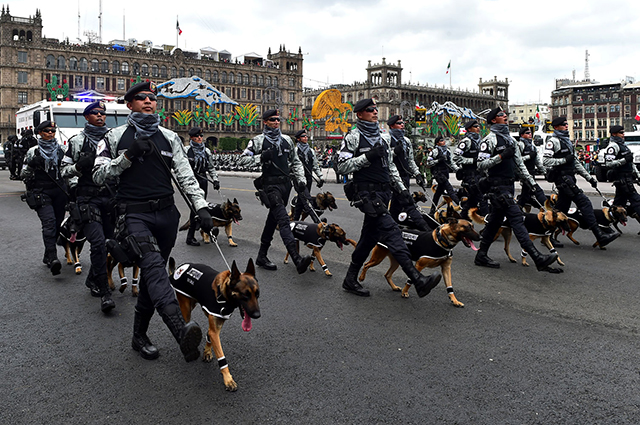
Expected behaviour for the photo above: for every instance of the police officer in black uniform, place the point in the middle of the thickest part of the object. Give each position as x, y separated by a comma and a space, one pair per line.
440, 163
622, 171
93, 206
407, 168
562, 164
500, 158
310, 165
8, 150
280, 162
46, 189
20, 148
142, 154
531, 160
466, 157
201, 161
367, 154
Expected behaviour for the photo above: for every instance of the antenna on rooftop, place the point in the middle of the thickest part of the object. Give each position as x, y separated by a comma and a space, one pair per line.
100, 21
587, 77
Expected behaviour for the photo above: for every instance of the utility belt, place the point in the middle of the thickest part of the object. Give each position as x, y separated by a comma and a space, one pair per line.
271, 180
567, 184
127, 249
93, 191
372, 204
466, 174
35, 199
371, 187
554, 175
144, 207
625, 185
615, 176
84, 213
500, 181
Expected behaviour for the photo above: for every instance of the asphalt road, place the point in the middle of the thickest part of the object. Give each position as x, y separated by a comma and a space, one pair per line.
527, 348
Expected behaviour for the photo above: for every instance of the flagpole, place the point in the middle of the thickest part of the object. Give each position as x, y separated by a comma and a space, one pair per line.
177, 31
450, 72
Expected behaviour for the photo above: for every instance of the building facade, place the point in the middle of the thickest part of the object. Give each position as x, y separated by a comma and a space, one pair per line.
393, 96
29, 62
522, 113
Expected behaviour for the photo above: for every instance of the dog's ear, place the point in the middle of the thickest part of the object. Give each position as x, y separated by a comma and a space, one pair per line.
251, 269
228, 201
327, 193
235, 201
324, 220
235, 273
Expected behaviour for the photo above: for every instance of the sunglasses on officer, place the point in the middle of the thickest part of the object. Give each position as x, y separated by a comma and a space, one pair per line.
274, 119
97, 112
501, 114
371, 109
48, 130
142, 96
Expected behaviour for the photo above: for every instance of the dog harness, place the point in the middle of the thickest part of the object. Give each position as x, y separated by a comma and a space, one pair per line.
216, 213
424, 245
601, 218
194, 281
307, 233
535, 226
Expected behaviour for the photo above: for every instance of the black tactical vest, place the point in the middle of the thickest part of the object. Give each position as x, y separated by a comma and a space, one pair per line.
378, 171
442, 167
625, 168
278, 161
200, 170
401, 161
45, 179
505, 169
307, 161
529, 149
561, 153
472, 152
147, 178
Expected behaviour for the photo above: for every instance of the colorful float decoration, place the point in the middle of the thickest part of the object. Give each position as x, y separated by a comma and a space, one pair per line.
329, 107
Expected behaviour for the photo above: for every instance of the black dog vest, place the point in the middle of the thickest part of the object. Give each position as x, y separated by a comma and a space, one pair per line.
307, 233
424, 245
194, 281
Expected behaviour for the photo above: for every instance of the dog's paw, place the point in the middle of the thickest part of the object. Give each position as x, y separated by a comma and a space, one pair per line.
560, 262
405, 291
327, 273
207, 357
525, 264
232, 243
455, 301
230, 385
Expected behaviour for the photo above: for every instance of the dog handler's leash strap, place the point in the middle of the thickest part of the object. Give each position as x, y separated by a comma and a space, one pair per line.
173, 179
214, 238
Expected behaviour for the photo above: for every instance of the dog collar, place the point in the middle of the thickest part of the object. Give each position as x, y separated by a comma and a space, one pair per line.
443, 242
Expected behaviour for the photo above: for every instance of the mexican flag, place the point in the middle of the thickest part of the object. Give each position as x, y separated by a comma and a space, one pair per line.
448, 67
538, 112
638, 116
178, 27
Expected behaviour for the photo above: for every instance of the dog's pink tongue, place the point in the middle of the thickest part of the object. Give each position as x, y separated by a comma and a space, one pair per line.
72, 239
246, 323
473, 247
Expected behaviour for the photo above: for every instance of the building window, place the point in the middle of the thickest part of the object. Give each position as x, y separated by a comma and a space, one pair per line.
245, 79
163, 71
292, 82
23, 77
207, 75
136, 68
178, 104
22, 97
261, 80
174, 72
232, 78
100, 83
77, 81
258, 94
115, 67
84, 64
121, 84
144, 69
192, 72
243, 93
51, 62
73, 63
199, 72
215, 76
615, 95
62, 63
254, 79
292, 97
125, 68
22, 57
182, 72
154, 70
223, 77
275, 81
95, 65
104, 66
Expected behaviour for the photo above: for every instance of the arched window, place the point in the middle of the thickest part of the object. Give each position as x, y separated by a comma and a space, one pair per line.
182, 73
223, 77
125, 68
95, 65
275, 81
174, 72
84, 64
207, 75
232, 78
154, 70
136, 68
104, 66
163, 71
62, 63
192, 72
73, 63
214, 77
51, 62
144, 69
245, 79
268, 81
261, 80
29, 36
115, 67
199, 72
254, 79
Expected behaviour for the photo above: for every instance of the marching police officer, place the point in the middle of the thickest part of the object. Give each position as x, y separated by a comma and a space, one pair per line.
7, 147
277, 155
20, 148
439, 162
310, 165
141, 154
93, 204
407, 168
201, 160
367, 154
46, 190
466, 157
622, 171
500, 158
562, 163
531, 160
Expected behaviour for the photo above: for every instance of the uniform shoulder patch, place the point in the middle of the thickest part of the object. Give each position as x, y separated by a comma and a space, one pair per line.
549, 145
462, 145
611, 150
483, 146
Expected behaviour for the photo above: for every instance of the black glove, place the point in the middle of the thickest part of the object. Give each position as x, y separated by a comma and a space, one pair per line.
139, 147
508, 153
266, 155
320, 183
301, 187
569, 156
37, 162
206, 222
85, 163
376, 152
405, 198
216, 185
420, 180
593, 182
398, 149
628, 156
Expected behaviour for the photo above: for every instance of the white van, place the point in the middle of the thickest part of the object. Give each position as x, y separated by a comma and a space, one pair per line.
67, 116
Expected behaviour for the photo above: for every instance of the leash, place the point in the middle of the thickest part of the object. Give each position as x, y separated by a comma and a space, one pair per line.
173, 179
606, 201
214, 238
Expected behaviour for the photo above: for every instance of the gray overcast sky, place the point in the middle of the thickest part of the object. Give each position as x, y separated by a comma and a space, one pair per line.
531, 43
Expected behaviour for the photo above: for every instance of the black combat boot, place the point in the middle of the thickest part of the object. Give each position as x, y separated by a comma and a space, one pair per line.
191, 240
302, 263
423, 284
51, 260
106, 303
542, 261
263, 261
482, 257
351, 284
140, 341
188, 335
602, 237
93, 287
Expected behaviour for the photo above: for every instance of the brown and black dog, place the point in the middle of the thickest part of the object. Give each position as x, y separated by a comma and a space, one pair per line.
428, 249
605, 217
314, 236
419, 196
541, 225
72, 238
320, 203
219, 294
224, 215
124, 281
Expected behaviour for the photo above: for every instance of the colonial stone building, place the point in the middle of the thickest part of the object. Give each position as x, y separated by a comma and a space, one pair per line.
28, 61
393, 96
